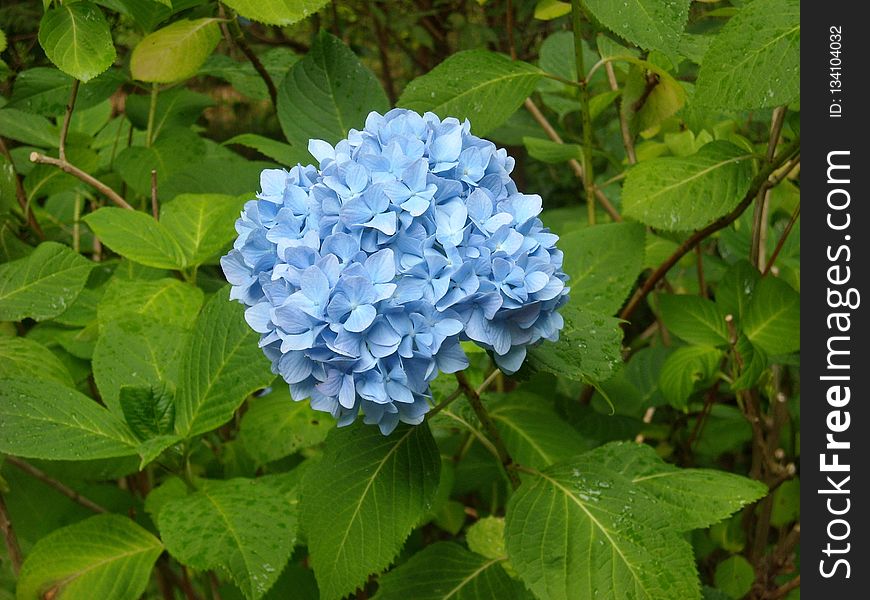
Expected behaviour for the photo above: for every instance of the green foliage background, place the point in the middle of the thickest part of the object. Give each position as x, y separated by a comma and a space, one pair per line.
649, 454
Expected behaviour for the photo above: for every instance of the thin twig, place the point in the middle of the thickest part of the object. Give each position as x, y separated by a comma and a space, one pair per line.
759, 219
585, 114
215, 586
783, 590
627, 138
54, 483
13, 549
459, 391
239, 39
490, 428
21, 194
782, 238
64, 130
75, 171
760, 180
154, 208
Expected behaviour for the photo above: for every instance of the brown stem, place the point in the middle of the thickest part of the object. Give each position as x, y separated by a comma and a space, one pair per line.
491, 430
76, 172
55, 484
21, 195
215, 586
627, 138
693, 240
13, 549
509, 25
782, 238
759, 225
186, 586
64, 130
241, 44
783, 590
383, 45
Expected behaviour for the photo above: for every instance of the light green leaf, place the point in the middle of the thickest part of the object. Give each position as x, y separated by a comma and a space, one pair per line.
327, 93
166, 301
684, 369
244, 527
28, 128
552, 152
651, 24
76, 38
221, 366
533, 432
280, 152
44, 419
25, 359
202, 224
588, 349
276, 12
546, 10
773, 318
578, 529
688, 498
136, 236
735, 289
275, 426
43, 284
754, 62
734, 576
106, 556
486, 537
603, 263
695, 319
686, 193
174, 52
478, 85
643, 106
447, 571
363, 477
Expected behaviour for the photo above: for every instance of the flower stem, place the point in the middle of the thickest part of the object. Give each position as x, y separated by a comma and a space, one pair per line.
585, 114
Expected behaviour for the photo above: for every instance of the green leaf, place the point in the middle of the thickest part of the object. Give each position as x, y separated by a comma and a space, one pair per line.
202, 224
754, 362
327, 93
478, 85
588, 349
217, 176
280, 152
603, 264
174, 52
447, 571
773, 318
650, 95
665, 192
695, 319
167, 301
578, 529
25, 359
364, 498
28, 128
173, 152
533, 432
786, 503
274, 426
552, 152
690, 498
735, 288
43, 284
734, 576
754, 61
106, 556
44, 419
148, 410
651, 24
222, 364
486, 537
276, 12
136, 236
76, 38
176, 109
244, 527
546, 10
46, 91
684, 369
242, 75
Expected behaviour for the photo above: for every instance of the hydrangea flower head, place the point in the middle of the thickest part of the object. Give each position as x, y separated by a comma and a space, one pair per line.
363, 276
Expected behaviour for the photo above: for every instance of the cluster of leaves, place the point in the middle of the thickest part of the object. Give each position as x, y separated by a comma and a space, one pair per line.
648, 454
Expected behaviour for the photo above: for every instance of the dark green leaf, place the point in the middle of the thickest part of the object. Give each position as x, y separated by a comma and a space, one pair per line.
684, 369
773, 318
695, 319
651, 24
734, 576
148, 410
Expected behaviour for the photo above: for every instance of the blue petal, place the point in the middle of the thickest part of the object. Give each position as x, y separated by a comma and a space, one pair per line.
360, 318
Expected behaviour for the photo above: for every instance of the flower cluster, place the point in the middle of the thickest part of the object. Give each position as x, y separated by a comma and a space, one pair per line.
363, 277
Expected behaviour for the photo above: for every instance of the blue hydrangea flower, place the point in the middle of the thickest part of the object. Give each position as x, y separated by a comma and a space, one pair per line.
363, 276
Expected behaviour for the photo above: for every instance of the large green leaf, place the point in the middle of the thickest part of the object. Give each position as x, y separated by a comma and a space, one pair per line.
603, 263
106, 556
45, 91
690, 498
686, 368
44, 419
43, 284
685, 193
244, 527
447, 571
581, 530
276, 12
651, 24
275, 426
176, 51
754, 62
363, 499
774, 316
478, 85
535, 435
28, 128
280, 152
25, 359
176, 149
221, 366
136, 236
202, 224
76, 38
327, 93
735, 288
166, 301
695, 319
